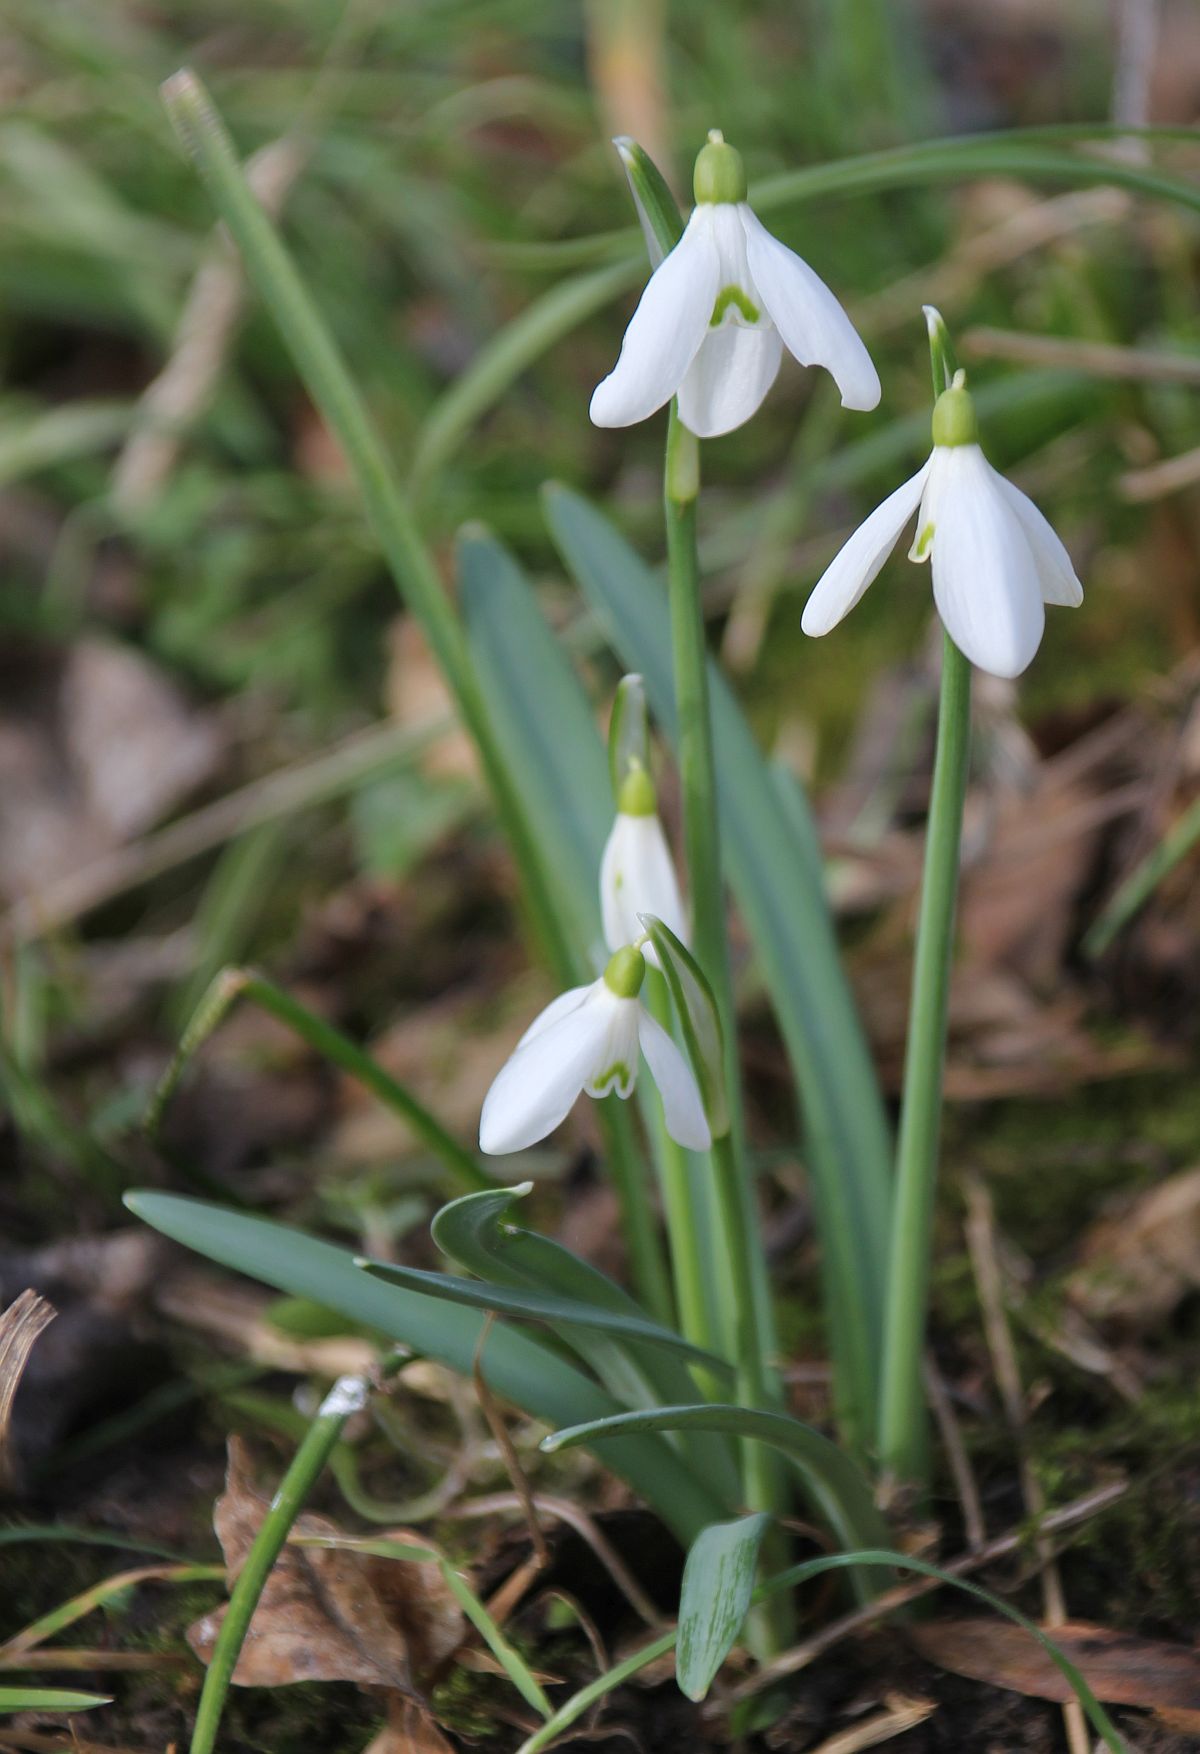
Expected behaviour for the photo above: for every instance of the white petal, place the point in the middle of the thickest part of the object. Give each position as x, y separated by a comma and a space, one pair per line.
813, 324
683, 1110
1056, 575
637, 876
858, 563
729, 378
664, 332
554, 1011
985, 580
535, 1089
616, 1066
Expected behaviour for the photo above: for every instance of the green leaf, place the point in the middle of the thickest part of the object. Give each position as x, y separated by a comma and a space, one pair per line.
544, 726
718, 1584
540, 1306
832, 1479
477, 1232
779, 890
516, 1366
49, 1699
699, 1020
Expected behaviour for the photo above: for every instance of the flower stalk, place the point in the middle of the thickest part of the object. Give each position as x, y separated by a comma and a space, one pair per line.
902, 1424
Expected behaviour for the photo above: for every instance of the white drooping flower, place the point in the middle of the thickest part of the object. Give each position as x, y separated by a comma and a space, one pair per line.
718, 312
589, 1039
637, 873
995, 560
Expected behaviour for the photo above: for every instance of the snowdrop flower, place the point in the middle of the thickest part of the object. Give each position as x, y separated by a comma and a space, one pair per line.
718, 312
588, 1039
637, 874
996, 562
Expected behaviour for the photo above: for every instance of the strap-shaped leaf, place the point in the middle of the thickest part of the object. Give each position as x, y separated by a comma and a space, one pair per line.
833, 1481
48, 1699
541, 1306
517, 1366
477, 1232
699, 1020
628, 733
718, 1586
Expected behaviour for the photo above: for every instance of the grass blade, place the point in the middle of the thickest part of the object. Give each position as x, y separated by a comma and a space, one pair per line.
49, 1699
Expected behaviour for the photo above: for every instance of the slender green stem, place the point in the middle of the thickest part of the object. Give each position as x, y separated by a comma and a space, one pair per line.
347, 1396
902, 1429
747, 1319
647, 1264
273, 274
697, 771
243, 983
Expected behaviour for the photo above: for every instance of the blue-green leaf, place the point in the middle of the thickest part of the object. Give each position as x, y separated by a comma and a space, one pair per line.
48, 1699
718, 1584
699, 1020
516, 1365
541, 1306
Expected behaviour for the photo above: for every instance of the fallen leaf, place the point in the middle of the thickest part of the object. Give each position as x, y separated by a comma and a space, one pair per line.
20, 1325
1135, 1267
409, 1730
327, 1614
1119, 1667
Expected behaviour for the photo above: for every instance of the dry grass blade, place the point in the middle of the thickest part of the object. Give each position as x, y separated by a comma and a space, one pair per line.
898, 1716
512, 1463
981, 1243
1095, 359
24, 1319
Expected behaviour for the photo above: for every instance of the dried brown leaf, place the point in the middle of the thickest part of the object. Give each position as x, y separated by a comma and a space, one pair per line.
409, 1730
20, 1325
1137, 1266
328, 1614
1120, 1667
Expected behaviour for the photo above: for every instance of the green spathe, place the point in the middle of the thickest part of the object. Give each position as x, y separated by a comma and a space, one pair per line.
954, 421
720, 174
637, 796
625, 973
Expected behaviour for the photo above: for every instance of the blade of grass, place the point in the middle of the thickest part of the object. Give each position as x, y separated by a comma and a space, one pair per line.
49, 1699
348, 1395
274, 276
243, 983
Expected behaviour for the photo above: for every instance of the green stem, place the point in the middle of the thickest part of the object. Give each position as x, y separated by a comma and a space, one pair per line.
747, 1317
902, 1429
273, 274
347, 1396
647, 1265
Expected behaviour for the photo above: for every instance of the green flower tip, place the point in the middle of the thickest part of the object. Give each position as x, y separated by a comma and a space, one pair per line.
720, 174
625, 973
954, 421
636, 796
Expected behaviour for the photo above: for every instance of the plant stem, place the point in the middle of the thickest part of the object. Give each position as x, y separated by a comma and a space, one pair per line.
747, 1316
647, 1264
347, 1396
902, 1429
